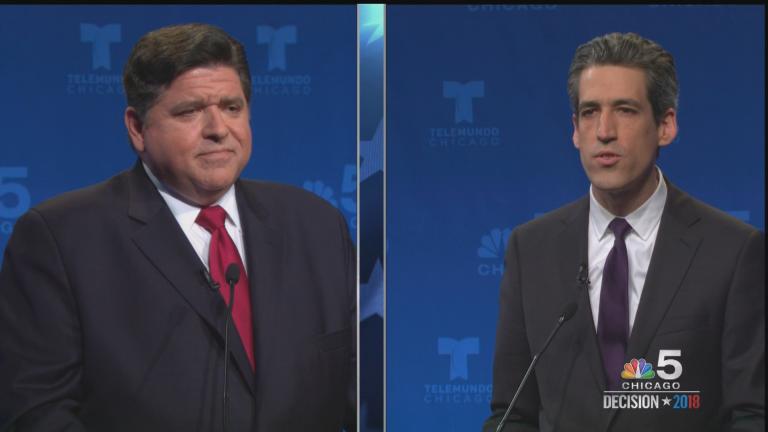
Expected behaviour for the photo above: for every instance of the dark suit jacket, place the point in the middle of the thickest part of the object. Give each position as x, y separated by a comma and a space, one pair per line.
107, 322
703, 294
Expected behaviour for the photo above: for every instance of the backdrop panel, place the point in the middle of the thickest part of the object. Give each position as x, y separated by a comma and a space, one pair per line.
62, 116
479, 141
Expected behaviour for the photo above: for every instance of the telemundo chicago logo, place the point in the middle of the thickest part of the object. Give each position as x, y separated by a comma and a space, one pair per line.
100, 80
465, 132
278, 81
458, 351
463, 94
276, 40
491, 252
101, 38
458, 389
639, 388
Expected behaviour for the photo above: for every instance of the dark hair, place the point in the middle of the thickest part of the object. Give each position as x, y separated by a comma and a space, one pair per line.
631, 50
162, 55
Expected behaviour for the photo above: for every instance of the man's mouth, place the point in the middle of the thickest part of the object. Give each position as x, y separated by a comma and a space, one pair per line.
607, 158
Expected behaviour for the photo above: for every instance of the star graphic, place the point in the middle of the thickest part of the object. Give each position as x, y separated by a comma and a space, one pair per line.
373, 18
372, 293
371, 160
666, 401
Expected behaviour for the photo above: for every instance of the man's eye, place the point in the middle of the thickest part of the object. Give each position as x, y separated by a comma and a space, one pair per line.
627, 110
186, 112
234, 108
587, 112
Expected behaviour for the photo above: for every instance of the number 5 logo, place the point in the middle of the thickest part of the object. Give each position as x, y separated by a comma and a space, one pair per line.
20, 192
665, 360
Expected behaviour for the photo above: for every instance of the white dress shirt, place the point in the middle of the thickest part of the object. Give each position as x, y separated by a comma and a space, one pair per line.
639, 241
185, 215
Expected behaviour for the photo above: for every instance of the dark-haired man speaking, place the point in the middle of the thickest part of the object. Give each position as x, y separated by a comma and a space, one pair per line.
114, 298
669, 331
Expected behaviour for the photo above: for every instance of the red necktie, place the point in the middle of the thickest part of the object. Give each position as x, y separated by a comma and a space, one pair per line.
221, 254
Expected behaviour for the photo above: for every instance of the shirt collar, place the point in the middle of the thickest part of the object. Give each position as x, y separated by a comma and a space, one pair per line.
186, 213
643, 220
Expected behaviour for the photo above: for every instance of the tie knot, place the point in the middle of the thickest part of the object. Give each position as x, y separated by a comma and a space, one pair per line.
620, 227
211, 218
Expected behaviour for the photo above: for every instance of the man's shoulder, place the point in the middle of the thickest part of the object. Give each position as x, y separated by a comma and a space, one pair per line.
282, 201
80, 211
556, 218
705, 217
86, 200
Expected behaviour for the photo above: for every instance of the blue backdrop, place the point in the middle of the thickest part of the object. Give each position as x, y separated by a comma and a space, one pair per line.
479, 141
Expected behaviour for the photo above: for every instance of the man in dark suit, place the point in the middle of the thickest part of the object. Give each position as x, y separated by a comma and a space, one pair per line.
671, 281
113, 298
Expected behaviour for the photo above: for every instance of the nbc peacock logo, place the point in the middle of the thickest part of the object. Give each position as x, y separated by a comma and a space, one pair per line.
493, 244
491, 252
638, 369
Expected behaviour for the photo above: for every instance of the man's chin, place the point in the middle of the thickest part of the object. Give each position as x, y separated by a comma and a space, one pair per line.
218, 187
609, 186
204, 193
217, 178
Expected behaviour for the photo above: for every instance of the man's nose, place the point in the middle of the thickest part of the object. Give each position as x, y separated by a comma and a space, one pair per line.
606, 127
215, 127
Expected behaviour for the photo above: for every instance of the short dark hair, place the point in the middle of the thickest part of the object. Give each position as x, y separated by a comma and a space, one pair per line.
631, 50
163, 54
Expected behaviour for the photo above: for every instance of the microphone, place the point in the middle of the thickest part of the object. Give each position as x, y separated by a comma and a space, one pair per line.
232, 275
568, 311
583, 277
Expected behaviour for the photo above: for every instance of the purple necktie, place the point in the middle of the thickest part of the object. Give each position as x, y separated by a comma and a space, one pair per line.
613, 321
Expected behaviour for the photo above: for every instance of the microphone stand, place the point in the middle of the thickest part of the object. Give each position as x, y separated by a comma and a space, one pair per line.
232, 276
568, 311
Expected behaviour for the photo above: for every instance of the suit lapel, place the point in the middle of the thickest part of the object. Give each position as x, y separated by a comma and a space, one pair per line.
164, 244
675, 248
263, 262
161, 240
572, 243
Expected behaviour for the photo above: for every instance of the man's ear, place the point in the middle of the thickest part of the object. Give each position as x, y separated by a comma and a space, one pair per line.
667, 127
575, 131
134, 125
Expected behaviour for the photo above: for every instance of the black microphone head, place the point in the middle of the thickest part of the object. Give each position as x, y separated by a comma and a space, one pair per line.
582, 276
233, 273
568, 311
